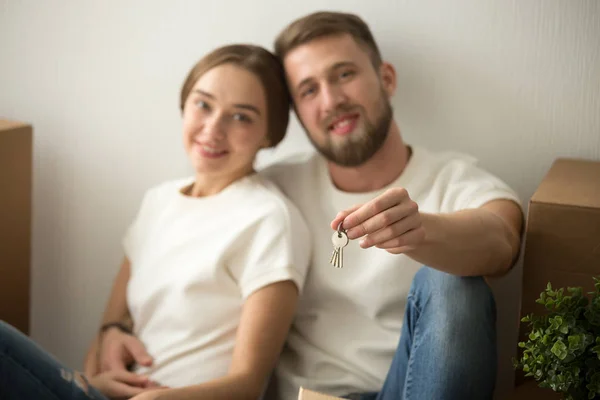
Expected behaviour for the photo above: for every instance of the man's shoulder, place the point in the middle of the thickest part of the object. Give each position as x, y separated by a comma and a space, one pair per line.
444, 158
460, 182
447, 164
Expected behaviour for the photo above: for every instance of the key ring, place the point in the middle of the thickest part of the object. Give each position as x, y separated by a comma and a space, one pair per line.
340, 229
339, 239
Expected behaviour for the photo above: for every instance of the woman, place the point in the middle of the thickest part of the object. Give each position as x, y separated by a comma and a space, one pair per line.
213, 265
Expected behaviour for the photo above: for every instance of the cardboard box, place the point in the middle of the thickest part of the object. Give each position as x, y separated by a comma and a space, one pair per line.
305, 394
562, 239
15, 222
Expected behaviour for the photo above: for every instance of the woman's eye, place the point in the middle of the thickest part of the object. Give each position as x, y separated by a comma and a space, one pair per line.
202, 105
308, 92
241, 117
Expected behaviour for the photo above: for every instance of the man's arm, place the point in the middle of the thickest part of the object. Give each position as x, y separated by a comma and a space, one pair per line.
474, 242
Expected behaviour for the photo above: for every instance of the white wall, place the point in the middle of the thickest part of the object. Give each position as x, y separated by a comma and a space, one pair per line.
516, 83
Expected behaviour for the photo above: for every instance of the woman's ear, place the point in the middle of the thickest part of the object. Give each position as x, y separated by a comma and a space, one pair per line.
387, 74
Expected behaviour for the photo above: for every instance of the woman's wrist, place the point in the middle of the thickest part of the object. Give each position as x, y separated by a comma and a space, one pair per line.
123, 327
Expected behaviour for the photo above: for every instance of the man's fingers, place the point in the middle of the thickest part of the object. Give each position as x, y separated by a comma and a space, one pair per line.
396, 230
383, 220
138, 351
342, 215
404, 243
390, 198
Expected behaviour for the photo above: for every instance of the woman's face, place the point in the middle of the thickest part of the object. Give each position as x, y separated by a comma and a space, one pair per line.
225, 122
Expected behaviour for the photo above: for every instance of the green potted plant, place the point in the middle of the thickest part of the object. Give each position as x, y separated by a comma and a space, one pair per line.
562, 352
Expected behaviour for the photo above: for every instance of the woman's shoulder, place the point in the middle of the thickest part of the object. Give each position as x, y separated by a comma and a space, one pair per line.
171, 186
165, 190
265, 195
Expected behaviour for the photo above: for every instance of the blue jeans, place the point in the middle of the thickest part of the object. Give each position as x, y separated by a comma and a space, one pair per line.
28, 372
447, 348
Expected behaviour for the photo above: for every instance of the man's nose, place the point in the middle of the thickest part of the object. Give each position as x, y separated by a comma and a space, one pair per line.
332, 96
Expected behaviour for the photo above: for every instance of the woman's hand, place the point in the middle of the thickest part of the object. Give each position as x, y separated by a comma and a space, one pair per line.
119, 384
152, 394
118, 350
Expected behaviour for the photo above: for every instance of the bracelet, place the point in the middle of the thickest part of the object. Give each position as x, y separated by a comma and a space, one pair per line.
119, 325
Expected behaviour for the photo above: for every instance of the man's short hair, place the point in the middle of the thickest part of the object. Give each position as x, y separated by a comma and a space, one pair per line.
324, 23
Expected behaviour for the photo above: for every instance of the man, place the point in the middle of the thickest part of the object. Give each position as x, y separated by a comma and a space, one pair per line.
406, 207
409, 316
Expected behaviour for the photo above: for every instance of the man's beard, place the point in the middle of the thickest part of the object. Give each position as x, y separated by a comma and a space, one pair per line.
357, 149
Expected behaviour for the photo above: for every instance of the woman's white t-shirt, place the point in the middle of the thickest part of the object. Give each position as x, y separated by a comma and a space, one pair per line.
194, 261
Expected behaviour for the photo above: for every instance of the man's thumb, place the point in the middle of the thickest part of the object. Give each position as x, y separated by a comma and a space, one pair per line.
138, 351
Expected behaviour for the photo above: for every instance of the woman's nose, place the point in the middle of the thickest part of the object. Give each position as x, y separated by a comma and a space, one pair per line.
214, 128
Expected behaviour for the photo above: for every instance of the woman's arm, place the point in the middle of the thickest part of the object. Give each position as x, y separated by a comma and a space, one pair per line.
116, 311
266, 318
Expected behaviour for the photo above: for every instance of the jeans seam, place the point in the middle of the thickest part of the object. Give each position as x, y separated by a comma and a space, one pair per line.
31, 375
411, 359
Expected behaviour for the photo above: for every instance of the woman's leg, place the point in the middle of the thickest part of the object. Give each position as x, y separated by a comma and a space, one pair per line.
28, 372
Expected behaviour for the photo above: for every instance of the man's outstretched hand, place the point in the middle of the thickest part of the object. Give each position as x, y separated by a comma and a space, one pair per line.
391, 221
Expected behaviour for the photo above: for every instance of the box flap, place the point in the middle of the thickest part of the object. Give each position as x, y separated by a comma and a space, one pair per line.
6, 125
570, 182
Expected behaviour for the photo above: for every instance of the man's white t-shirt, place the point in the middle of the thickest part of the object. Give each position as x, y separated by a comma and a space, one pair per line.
194, 261
349, 320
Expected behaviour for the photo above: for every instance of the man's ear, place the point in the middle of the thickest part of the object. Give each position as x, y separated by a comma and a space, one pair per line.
387, 73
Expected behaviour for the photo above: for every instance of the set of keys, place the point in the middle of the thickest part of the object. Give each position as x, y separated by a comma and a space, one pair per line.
339, 241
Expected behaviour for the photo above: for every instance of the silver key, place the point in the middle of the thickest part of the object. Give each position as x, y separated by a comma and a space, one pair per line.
339, 239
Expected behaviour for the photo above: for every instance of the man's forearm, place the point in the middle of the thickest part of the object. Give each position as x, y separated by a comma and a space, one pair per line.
473, 242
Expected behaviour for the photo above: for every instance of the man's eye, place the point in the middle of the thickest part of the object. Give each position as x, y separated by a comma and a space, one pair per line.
241, 117
346, 74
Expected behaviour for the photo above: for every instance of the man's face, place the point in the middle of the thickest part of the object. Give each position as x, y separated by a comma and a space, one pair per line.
340, 99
